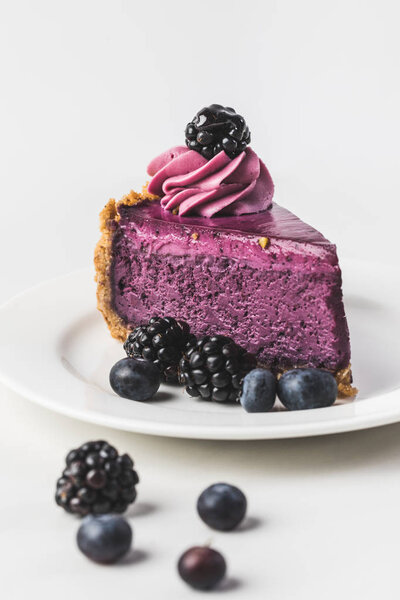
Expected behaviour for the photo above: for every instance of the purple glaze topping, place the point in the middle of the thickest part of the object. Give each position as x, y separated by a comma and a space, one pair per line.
278, 222
283, 303
191, 184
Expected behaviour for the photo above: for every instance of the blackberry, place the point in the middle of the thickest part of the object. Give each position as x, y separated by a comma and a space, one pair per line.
162, 341
216, 128
213, 367
96, 480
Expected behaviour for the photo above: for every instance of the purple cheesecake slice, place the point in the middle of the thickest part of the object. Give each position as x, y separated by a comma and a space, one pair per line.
268, 280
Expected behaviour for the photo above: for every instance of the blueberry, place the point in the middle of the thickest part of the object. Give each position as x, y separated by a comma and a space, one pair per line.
259, 391
105, 538
135, 379
301, 389
202, 567
222, 506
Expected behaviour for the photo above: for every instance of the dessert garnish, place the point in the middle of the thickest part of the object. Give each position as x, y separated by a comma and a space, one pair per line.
259, 391
213, 368
216, 128
104, 539
217, 173
222, 506
301, 389
135, 379
96, 480
201, 567
162, 341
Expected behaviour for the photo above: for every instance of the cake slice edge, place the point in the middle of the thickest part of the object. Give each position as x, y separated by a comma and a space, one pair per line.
109, 218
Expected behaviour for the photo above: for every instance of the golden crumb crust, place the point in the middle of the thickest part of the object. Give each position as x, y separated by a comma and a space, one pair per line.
119, 330
344, 380
109, 217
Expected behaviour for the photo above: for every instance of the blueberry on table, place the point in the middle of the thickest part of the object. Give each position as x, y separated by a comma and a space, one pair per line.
222, 506
259, 391
104, 539
202, 567
301, 389
135, 379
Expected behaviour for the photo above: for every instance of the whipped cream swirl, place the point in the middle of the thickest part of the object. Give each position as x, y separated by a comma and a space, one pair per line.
192, 185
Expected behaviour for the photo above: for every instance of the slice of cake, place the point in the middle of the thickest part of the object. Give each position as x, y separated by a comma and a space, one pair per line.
206, 244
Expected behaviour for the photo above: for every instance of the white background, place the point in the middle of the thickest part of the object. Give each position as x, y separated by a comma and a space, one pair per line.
90, 92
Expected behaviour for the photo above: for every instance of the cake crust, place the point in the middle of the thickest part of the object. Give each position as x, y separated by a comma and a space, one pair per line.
109, 218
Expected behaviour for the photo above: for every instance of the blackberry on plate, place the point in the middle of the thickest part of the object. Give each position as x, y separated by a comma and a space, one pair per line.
162, 341
216, 128
96, 480
213, 368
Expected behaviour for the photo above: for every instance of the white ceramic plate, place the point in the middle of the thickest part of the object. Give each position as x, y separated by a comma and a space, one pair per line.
56, 350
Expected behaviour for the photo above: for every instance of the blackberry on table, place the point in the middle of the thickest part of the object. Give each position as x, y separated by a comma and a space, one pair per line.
213, 368
162, 341
216, 128
96, 480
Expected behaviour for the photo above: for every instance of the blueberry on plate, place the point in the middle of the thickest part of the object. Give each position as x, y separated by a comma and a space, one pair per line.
105, 538
202, 567
222, 506
301, 389
135, 379
259, 391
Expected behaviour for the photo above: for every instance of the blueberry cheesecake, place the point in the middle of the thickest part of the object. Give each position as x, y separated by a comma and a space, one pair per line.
204, 241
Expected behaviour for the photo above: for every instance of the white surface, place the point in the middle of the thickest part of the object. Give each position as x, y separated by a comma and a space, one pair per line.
91, 90
70, 360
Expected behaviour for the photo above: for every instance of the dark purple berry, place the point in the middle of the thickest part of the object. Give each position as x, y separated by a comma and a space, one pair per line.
161, 341
104, 539
301, 389
216, 128
222, 506
135, 379
213, 367
259, 391
108, 486
202, 567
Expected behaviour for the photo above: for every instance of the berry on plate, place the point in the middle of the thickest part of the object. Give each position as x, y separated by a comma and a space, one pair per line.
222, 506
135, 379
104, 539
96, 480
259, 391
301, 389
202, 567
162, 341
213, 368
